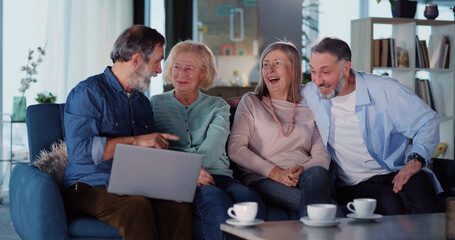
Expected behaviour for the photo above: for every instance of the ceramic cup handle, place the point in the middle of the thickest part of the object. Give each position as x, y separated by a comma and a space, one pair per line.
231, 213
350, 206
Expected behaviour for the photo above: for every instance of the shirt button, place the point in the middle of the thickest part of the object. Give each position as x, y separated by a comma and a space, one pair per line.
133, 121
186, 107
116, 124
187, 130
188, 143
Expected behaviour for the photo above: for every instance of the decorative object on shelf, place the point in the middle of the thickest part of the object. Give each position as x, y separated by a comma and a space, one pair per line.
402, 8
402, 57
431, 11
19, 103
45, 97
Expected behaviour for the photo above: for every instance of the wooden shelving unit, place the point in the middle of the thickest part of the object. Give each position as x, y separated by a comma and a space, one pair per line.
404, 31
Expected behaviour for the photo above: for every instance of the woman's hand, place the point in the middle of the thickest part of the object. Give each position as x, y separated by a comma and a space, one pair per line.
283, 176
205, 178
295, 172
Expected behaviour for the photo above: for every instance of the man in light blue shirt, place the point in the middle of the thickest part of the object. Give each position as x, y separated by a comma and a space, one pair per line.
380, 135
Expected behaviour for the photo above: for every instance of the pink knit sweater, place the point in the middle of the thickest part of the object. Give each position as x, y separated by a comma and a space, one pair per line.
255, 142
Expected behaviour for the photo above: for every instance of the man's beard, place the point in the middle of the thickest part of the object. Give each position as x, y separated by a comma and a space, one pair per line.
339, 87
140, 79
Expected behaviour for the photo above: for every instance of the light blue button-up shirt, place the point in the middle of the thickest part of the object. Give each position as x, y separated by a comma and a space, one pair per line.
390, 116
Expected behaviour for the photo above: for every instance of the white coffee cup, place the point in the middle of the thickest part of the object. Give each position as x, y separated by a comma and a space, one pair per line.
363, 207
321, 212
244, 211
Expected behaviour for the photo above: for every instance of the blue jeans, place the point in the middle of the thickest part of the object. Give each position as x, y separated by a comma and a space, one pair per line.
211, 203
314, 187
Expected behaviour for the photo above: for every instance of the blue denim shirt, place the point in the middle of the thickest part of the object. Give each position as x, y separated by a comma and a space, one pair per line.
390, 116
97, 109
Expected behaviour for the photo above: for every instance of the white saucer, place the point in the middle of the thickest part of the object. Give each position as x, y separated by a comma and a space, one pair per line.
313, 223
365, 219
236, 222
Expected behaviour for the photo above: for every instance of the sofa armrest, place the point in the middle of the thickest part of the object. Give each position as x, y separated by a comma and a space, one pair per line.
36, 204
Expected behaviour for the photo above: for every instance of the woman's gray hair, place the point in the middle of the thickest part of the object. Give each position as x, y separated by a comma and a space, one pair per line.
203, 56
294, 57
334, 46
136, 39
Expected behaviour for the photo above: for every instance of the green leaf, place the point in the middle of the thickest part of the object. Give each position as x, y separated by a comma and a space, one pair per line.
392, 2
45, 98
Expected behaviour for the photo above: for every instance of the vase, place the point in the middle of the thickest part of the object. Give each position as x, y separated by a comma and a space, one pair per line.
19, 108
404, 9
431, 11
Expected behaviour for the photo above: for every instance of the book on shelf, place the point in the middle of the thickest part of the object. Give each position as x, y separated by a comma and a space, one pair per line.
393, 55
439, 49
384, 53
419, 54
446, 54
426, 61
376, 53
426, 92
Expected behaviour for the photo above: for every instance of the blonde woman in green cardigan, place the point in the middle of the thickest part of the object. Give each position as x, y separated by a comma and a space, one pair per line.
202, 123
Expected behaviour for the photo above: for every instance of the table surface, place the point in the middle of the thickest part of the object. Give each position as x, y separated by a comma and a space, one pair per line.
419, 226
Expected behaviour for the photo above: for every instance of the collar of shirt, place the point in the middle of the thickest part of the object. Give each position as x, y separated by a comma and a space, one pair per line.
115, 85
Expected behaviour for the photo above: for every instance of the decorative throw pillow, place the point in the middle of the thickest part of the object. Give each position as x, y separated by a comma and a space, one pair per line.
54, 162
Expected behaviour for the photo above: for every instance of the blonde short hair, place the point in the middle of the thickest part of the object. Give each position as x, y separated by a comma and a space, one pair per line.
204, 59
294, 57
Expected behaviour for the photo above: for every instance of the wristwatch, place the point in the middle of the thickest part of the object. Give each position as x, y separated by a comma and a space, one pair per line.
416, 157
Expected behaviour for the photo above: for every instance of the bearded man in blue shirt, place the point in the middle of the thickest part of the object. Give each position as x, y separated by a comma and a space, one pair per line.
107, 109
380, 135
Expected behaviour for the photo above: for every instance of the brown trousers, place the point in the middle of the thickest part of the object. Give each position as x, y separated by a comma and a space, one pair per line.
136, 217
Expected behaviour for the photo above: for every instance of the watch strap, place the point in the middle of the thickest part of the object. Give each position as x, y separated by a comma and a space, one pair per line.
416, 157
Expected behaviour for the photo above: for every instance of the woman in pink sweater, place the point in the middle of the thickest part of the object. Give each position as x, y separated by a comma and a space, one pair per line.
275, 140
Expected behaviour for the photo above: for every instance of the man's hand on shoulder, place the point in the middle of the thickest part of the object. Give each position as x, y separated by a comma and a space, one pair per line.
155, 140
405, 174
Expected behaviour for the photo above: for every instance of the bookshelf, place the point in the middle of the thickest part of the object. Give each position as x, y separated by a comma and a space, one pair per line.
404, 31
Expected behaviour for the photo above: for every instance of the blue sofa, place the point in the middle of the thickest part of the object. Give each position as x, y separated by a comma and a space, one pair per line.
36, 203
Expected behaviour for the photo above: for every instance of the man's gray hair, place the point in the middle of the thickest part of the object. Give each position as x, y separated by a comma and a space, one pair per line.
334, 46
136, 39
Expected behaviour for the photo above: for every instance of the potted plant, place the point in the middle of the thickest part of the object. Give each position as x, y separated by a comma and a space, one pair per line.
45, 97
19, 103
402, 8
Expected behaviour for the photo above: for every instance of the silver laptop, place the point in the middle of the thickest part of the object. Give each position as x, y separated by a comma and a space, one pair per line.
154, 173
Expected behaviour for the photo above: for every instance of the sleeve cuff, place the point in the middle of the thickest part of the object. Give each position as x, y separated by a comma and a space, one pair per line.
99, 145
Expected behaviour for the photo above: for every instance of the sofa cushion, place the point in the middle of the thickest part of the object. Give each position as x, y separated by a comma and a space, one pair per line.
87, 227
